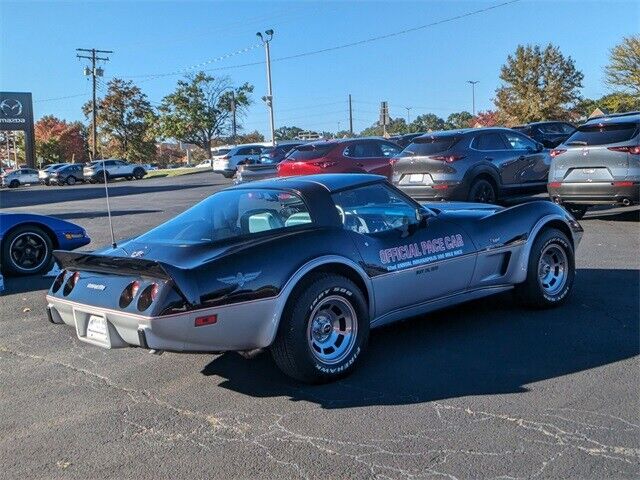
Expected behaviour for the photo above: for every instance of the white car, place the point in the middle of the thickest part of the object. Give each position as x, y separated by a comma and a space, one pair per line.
228, 164
45, 174
21, 176
95, 171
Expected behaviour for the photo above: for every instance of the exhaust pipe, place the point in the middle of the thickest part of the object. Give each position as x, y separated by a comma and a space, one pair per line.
626, 202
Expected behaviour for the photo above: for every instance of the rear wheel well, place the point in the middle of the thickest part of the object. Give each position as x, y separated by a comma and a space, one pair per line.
335, 268
488, 177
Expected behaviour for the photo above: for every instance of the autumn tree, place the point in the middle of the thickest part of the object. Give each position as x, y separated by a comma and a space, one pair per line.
396, 126
489, 118
538, 84
126, 121
201, 109
623, 71
616, 102
60, 141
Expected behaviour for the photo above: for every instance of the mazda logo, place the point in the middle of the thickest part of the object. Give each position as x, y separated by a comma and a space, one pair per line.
10, 107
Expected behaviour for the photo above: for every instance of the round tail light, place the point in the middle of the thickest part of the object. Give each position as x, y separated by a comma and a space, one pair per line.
71, 283
57, 283
127, 295
148, 295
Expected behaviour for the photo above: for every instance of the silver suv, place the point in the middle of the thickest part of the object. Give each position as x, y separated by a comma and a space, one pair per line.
598, 164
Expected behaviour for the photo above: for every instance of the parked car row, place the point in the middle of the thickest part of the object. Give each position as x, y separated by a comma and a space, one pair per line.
595, 163
72, 173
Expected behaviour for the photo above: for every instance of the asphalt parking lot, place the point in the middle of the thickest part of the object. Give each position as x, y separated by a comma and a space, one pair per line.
484, 390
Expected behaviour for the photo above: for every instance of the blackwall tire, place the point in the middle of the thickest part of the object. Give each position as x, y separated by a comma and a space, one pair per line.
550, 271
40, 249
324, 332
482, 191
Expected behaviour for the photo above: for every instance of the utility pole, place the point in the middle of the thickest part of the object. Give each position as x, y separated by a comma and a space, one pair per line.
350, 117
233, 112
94, 72
408, 110
473, 96
384, 117
266, 40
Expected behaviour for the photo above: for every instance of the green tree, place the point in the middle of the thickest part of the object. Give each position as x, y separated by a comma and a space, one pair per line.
200, 109
427, 122
623, 70
126, 121
397, 126
538, 84
617, 102
287, 133
459, 120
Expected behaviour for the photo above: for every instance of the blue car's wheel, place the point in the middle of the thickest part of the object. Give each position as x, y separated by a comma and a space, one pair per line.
26, 251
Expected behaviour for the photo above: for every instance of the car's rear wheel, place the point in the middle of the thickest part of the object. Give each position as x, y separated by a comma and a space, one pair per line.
138, 173
323, 333
482, 191
71, 180
550, 271
26, 251
578, 211
14, 184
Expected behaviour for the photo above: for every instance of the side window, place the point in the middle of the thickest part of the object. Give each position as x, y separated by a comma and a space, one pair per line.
552, 128
518, 142
389, 149
566, 128
244, 151
374, 209
489, 141
363, 150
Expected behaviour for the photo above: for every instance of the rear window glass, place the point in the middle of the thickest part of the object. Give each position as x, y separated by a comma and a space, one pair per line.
600, 134
232, 213
311, 152
429, 145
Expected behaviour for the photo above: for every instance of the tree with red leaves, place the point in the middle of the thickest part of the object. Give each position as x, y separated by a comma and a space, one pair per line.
489, 118
60, 141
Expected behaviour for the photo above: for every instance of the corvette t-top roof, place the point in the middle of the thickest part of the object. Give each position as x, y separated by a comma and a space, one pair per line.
332, 182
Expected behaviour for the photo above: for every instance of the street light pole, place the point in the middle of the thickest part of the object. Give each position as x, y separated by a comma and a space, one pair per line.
266, 40
408, 110
473, 95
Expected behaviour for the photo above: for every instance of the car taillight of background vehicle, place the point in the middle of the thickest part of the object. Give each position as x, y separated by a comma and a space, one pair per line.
147, 297
71, 283
632, 149
556, 151
57, 283
127, 295
324, 164
393, 161
555, 184
447, 158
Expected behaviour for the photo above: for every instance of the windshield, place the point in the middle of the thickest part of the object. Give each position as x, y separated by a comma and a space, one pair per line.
310, 152
232, 213
600, 134
429, 145
222, 151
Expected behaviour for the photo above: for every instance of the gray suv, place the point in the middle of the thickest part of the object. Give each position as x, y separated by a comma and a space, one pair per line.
598, 164
476, 165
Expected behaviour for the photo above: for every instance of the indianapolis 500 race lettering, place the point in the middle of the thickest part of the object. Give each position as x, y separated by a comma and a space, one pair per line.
424, 252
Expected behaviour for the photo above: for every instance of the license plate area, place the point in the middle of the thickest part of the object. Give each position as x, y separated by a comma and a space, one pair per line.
416, 178
93, 327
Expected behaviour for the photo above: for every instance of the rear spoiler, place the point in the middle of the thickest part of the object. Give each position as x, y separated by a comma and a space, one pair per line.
128, 266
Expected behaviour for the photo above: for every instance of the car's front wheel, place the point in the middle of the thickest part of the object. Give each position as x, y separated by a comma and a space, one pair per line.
26, 251
550, 271
138, 173
71, 180
14, 184
324, 332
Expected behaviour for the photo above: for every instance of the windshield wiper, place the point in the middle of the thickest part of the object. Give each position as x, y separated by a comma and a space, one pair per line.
577, 142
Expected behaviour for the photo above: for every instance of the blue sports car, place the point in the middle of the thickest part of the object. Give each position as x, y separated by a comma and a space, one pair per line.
27, 241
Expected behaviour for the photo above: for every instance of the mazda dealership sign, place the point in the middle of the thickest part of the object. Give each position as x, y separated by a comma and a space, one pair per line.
16, 113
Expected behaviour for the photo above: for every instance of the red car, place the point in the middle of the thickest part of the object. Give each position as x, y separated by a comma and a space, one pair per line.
354, 155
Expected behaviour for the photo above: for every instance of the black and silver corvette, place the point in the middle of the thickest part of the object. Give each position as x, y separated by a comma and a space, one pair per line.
306, 266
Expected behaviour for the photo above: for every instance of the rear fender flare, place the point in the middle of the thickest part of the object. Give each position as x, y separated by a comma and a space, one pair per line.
482, 169
300, 273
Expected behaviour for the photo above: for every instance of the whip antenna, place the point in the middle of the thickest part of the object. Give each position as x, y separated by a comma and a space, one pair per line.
106, 192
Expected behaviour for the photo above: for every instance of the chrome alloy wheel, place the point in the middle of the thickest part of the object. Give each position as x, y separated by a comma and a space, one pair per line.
553, 269
28, 251
332, 329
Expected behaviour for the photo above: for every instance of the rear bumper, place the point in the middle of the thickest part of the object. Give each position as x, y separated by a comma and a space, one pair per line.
593, 193
240, 326
442, 191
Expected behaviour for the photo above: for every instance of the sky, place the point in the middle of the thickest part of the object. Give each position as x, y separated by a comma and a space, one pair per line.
155, 43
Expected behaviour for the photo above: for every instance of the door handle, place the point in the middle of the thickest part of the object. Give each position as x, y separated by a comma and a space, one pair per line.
359, 164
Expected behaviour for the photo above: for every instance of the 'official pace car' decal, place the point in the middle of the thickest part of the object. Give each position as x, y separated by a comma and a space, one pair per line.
426, 251
240, 279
